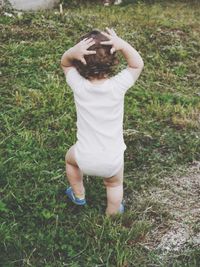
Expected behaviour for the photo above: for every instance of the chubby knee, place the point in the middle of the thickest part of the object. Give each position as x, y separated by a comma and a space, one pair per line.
115, 180
68, 160
108, 182
66, 157
69, 155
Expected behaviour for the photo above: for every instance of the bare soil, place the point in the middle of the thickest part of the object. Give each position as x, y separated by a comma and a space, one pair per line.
179, 195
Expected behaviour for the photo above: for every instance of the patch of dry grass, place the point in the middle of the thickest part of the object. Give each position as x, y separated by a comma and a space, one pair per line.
179, 196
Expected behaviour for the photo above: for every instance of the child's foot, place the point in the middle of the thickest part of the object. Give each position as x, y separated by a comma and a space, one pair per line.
120, 210
78, 201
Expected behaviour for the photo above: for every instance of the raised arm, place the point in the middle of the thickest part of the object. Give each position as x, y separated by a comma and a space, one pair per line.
76, 52
133, 58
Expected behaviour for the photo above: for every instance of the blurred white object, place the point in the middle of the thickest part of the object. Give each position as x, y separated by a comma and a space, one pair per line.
106, 3
8, 14
61, 9
33, 4
118, 2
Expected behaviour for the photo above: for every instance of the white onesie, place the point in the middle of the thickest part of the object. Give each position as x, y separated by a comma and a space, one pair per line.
99, 149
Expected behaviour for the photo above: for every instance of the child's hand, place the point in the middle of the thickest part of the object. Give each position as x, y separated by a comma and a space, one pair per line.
80, 49
116, 42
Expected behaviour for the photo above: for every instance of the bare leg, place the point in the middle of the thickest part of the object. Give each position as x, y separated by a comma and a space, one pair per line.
74, 174
114, 189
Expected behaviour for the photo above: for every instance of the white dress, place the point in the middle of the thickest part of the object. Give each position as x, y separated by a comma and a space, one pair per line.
100, 146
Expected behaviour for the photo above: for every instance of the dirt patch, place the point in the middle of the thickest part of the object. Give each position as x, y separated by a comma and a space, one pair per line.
180, 196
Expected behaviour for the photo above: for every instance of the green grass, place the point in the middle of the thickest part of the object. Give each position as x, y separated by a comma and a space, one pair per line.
39, 227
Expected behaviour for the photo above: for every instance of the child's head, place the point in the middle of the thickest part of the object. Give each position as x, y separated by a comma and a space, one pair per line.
99, 65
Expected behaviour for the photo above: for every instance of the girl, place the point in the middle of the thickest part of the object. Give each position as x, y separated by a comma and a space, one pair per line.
99, 100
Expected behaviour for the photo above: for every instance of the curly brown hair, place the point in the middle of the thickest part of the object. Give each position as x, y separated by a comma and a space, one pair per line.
99, 65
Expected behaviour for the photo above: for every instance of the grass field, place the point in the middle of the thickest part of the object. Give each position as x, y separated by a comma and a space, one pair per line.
39, 227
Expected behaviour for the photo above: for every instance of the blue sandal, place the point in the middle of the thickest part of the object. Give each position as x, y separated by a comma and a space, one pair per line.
82, 201
78, 201
121, 208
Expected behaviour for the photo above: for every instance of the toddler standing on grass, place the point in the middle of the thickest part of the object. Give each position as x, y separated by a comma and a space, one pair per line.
99, 100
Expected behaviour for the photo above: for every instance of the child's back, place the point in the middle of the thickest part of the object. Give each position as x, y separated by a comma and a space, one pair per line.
100, 106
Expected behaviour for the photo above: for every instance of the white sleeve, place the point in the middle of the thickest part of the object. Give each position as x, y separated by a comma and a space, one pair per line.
73, 78
123, 80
